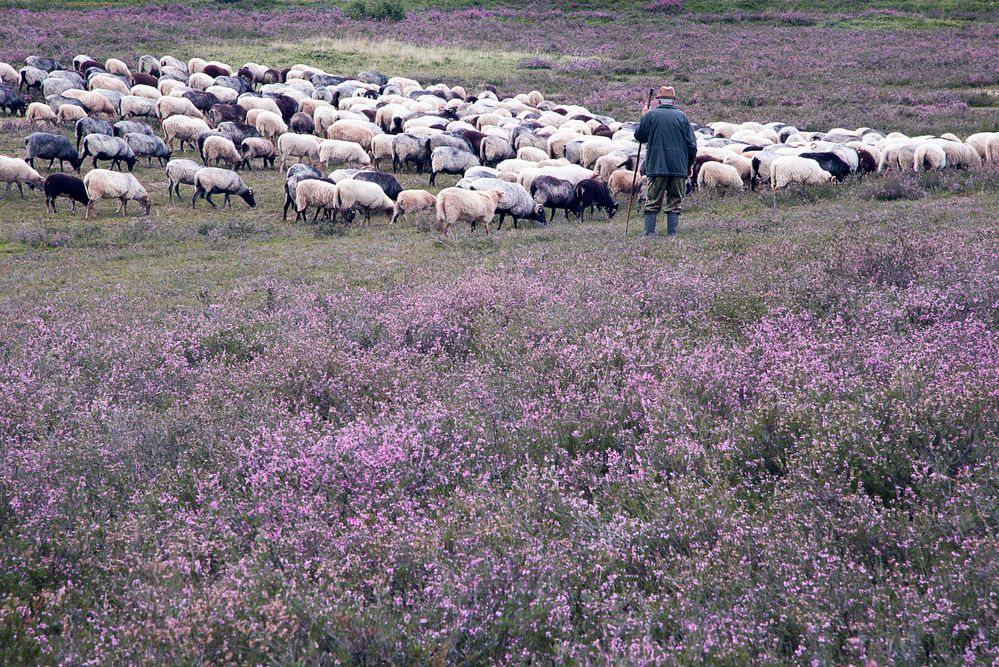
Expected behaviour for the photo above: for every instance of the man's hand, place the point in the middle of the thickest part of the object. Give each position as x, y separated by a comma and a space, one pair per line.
690, 172
645, 110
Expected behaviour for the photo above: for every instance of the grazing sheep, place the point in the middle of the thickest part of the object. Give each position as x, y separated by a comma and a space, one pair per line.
117, 67
53, 86
356, 195
270, 125
448, 160
593, 193
51, 147
211, 180
929, 157
555, 193
347, 152
39, 112
17, 172
203, 100
226, 113
149, 147
180, 172
265, 103
106, 82
349, 131
144, 82
302, 123
979, 140
64, 185
236, 132
412, 201
220, 149
301, 146
149, 65
456, 205
184, 129
408, 148
830, 162
296, 174
31, 77
719, 176
531, 154
103, 147
9, 75
381, 149
253, 148
104, 184
313, 191
515, 202
790, 169
47, 64
169, 106
123, 127
621, 181
133, 106
493, 150
70, 113
387, 182
12, 102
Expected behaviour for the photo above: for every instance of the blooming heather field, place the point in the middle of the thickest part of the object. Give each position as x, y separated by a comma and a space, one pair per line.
773, 440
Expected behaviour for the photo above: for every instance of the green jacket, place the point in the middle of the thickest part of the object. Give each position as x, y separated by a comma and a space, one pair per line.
669, 139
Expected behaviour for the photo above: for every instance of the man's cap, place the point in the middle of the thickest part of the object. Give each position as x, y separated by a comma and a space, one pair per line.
666, 93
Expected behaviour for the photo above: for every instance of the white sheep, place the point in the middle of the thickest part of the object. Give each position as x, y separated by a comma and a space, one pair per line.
364, 196
123, 186
301, 146
334, 150
719, 176
742, 164
267, 104
221, 149
456, 205
184, 129
70, 113
980, 141
39, 112
18, 172
317, 192
9, 75
412, 201
169, 106
224, 94
621, 182
106, 82
136, 106
115, 66
789, 169
253, 148
181, 172
270, 125
929, 156
381, 149
142, 90
354, 133
531, 154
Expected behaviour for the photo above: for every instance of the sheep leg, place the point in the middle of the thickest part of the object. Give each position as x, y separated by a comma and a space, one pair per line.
208, 198
90, 207
20, 189
502, 218
121, 204
197, 191
170, 189
51, 162
226, 201
316, 216
6, 190
433, 177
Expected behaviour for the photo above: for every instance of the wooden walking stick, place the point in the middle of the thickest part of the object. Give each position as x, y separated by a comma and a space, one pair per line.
634, 177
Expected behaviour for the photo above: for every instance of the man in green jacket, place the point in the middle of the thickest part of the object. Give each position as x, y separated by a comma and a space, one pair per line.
669, 159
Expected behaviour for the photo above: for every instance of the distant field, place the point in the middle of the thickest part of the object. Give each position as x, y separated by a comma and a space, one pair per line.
230, 439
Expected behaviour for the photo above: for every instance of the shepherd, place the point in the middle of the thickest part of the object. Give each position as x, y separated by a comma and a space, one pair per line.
669, 159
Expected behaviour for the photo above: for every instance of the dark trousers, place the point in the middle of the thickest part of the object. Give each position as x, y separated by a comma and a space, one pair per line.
665, 193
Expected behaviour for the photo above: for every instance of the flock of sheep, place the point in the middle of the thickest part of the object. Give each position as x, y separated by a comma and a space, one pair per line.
516, 156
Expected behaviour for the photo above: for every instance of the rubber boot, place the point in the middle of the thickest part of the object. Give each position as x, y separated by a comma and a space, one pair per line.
672, 223
650, 224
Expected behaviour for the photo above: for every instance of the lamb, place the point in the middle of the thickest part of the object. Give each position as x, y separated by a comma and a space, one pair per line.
149, 147
70, 113
211, 180
356, 195
105, 184
313, 191
447, 160
719, 176
51, 147
221, 149
270, 125
515, 202
17, 172
184, 129
789, 169
334, 150
169, 106
412, 201
64, 185
621, 182
409, 148
296, 174
555, 193
252, 148
456, 205
301, 146
39, 112
387, 182
103, 147
180, 172
593, 193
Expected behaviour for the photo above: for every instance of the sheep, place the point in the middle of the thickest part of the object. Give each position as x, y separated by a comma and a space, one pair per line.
64, 185
531, 154
226, 113
830, 162
789, 169
456, 205
117, 67
12, 102
170, 61
103, 147
387, 182
137, 106
31, 77
719, 176
149, 65
515, 202
252, 148
347, 131
381, 149
929, 157
409, 148
270, 125
184, 129
447, 160
267, 104
169, 106
221, 149
236, 132
211, 180
56, 86
203, 100
9, 75
51, 147
313, 191
105, 184
302, 123
39, 112
356, 195
70, 113
334, 150
593, 193
93, 102
17, 172
897, 155
301, 146
47, 64
149, 147
493, 150
123, 127
412, 201
107, 82
979, 140
180, 172
555, 193
296, 174
571, 173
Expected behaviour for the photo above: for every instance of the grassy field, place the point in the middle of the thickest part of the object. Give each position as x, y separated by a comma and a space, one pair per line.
226, 438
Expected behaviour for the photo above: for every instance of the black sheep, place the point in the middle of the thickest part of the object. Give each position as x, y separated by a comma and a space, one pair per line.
286, 105
12, 102
593, 193
387, 182
201, 100
225, 112
51, 147
831, 163
302, 123
236, 132
143, 79
215, 71
64, 185
474, 139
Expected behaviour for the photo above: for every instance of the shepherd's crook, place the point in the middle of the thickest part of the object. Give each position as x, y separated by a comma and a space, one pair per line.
634, 177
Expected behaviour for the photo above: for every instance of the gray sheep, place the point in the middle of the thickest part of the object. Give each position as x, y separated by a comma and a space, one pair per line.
148, 147
515, 202
51, 147
447, 160
86, 126
408, 148
103, 147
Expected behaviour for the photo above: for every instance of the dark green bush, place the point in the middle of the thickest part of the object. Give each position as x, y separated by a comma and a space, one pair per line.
376, 10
